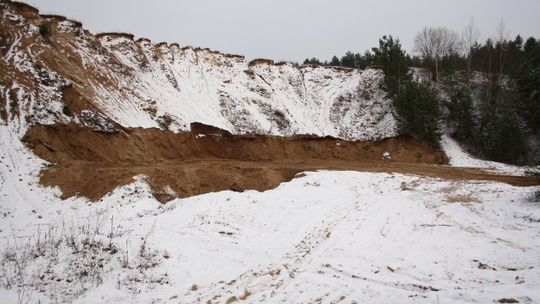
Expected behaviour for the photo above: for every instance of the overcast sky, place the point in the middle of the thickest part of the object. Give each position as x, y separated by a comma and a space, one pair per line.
293, 29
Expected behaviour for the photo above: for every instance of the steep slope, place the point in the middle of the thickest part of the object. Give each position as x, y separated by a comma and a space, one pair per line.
112, 79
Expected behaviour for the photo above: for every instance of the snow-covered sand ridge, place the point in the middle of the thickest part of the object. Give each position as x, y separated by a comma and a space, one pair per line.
136, 83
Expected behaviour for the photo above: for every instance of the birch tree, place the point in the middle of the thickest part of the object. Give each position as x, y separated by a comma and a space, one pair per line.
433, 44
469, 38
501, 40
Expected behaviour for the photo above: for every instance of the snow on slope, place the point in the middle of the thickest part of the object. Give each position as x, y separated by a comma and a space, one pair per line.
325, 237
460, 158
140, 84
209, 87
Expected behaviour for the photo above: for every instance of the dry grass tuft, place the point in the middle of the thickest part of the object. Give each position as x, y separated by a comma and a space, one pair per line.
461, 198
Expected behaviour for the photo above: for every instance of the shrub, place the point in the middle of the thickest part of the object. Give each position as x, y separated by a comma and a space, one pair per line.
13, 105
67, 110
63, 261
44, 30
536, 196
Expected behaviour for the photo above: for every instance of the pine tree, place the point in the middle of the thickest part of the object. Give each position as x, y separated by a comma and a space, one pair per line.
528, 85
502, 137
315, 61
461, 113
394, 62
348, 60
335, 61
418, 107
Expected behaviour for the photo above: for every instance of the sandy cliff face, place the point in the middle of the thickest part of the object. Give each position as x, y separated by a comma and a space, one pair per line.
111, 81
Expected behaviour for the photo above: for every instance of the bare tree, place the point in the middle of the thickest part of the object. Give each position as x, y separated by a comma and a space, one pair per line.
501, 39
434, 44
501, 31
469, 38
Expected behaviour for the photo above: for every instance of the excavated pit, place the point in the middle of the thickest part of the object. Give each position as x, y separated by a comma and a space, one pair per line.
207, 159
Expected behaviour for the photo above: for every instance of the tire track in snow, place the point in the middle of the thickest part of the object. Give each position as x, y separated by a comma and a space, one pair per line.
412, 287
264, 284
448, 219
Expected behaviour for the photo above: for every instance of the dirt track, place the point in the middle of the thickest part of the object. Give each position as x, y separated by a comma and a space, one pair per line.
92, 164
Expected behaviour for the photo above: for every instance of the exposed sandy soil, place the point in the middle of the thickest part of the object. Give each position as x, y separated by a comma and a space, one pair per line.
91, 164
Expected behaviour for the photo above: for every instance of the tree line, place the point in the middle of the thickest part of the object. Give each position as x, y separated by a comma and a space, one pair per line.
485, 94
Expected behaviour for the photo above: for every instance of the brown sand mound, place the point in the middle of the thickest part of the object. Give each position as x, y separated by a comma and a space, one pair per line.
208, 159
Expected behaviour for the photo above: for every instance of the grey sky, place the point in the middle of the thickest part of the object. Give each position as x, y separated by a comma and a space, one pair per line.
293, 30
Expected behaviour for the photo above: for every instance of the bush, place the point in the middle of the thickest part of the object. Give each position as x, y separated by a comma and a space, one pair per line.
418, 107
13, 105
44, 30
67, 110
63, 261
536, 196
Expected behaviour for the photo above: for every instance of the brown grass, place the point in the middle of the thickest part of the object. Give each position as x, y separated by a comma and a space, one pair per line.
260, 61
57, 18
143, 40
342, 69
3, 112
24, 9
245, 295
234, 56
116, 35
76, 23
281, 63
461, 198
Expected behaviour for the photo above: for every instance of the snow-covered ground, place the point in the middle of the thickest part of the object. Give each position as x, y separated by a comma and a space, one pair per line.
324, 237
458, 157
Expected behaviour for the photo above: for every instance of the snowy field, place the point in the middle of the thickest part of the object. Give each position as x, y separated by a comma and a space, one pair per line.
324, 237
